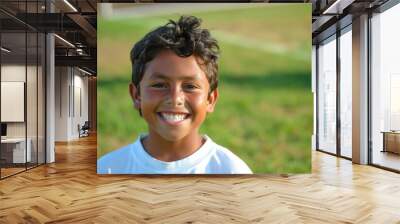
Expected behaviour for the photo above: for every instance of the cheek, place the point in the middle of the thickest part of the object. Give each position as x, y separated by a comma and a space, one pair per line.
150, 96
149, 101
198, 102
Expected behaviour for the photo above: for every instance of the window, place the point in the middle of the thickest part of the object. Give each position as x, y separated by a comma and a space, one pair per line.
346, 92
23, 79
385, 88
327, 95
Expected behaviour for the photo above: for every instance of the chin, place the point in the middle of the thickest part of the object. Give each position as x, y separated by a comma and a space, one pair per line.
172, 137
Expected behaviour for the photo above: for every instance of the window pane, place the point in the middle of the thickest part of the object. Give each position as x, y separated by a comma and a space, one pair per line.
15, 150
386, 89
327, 96
345, 93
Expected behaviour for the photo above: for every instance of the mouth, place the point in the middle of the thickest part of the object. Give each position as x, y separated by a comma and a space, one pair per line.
173, 118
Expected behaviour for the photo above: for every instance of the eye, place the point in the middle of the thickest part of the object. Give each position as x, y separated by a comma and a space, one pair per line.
159, 85
190, 86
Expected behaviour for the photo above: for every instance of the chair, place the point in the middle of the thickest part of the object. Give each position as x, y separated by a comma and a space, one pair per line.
84, 130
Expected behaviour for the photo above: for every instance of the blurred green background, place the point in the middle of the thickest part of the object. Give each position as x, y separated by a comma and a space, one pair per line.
265, 108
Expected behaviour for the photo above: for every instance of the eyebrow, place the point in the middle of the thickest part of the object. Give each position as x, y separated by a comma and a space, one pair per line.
158, 75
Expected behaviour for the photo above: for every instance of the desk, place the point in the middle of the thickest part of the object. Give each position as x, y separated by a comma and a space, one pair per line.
391, 141
17, 150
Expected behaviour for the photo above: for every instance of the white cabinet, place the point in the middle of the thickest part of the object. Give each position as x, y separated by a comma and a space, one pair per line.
18, 149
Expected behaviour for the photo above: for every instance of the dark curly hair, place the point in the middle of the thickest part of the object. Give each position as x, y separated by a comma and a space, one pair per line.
185, 38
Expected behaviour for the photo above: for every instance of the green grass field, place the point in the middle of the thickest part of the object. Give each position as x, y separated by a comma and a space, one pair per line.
264, 112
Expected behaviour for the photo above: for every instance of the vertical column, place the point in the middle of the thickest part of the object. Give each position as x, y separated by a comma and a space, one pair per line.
50, 92
338, 76
360, 90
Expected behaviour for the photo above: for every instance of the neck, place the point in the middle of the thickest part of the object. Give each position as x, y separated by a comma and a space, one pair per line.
169, 151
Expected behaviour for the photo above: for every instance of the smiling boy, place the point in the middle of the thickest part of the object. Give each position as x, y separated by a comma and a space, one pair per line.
174, 86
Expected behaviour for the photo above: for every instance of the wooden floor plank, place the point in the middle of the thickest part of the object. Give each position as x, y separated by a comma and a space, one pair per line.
70, 191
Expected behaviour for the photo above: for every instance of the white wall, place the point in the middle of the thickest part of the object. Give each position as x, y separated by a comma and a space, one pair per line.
61, 103
71, 94
16, 73
33, 126
13, 72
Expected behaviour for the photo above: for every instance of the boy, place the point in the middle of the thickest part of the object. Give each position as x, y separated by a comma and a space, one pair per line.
174, 86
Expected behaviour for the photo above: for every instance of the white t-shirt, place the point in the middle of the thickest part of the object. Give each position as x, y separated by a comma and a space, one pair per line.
209, 159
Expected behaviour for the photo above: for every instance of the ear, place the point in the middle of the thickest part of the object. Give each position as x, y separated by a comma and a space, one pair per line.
212, 100
135, 95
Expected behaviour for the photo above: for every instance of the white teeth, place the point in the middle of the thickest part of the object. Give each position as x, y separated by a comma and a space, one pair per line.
173, 117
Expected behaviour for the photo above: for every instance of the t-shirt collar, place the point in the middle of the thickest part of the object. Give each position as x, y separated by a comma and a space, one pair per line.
185, 163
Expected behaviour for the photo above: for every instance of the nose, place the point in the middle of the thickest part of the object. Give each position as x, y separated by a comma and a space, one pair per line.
175, 96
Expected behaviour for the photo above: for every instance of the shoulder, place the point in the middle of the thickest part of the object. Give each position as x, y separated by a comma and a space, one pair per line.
117, 161
228, 161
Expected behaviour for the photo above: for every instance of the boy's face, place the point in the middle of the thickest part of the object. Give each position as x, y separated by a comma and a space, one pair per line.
174, 96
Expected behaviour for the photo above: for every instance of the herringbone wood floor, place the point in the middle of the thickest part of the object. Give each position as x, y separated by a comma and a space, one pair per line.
70, 191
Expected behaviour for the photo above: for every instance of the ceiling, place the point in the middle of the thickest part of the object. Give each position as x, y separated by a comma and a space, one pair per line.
74, 22
332, 15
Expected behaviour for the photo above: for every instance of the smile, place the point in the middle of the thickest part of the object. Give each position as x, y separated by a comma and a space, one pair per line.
173, 118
